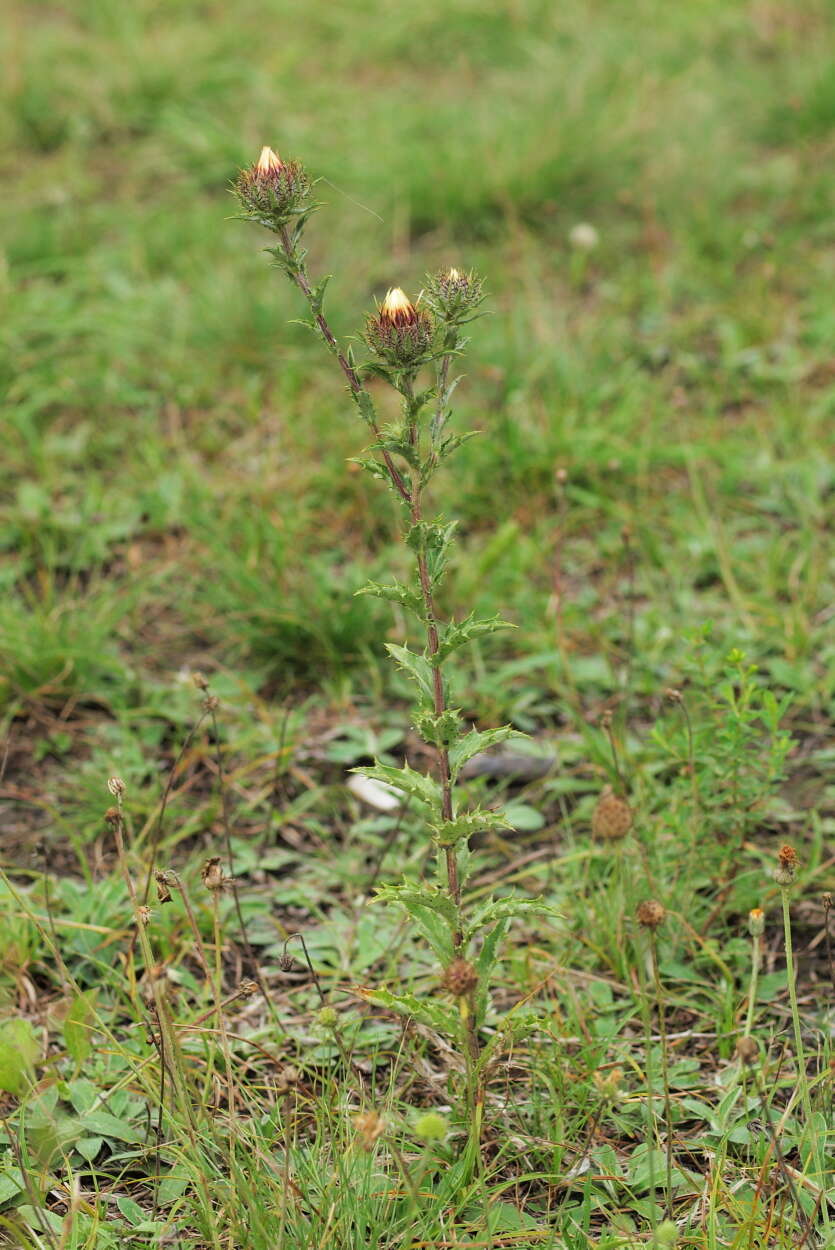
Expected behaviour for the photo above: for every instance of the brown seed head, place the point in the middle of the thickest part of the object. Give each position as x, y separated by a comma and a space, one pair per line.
787, 863
212, 874
286, 962
612, 816
144, 913
248, 988
370, 1127
116, 787
112, 816
650, 913
747, 1050
200, 680
459, 978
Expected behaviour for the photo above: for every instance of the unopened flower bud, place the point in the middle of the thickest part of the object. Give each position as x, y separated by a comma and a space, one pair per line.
273, 191
454, 295
328, 1019
399, 333
756, 922
612, 816
650, 913
431, 1126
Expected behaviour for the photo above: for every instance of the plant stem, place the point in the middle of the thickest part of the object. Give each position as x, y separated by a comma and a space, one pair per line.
802, 1074
299, 275
665, 1073
756, 959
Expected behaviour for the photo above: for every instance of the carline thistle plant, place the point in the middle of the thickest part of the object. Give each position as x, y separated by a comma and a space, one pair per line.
413, 347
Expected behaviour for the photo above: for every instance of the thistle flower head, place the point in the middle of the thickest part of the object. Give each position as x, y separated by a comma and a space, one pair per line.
454, 295
399, 333
272, 191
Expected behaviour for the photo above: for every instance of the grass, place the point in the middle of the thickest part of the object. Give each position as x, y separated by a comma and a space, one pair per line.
169, 504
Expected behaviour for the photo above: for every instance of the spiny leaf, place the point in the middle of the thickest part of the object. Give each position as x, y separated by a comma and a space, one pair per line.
465, 824
396, 592
459, 633
477, 741
416, 785
418, 668
432, 1014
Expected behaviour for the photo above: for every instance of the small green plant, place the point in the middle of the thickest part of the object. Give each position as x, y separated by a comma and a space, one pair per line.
413, 348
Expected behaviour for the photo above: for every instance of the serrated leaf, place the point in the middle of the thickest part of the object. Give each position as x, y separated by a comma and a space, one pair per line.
396, 592
434, 1015
417, 667
374, 467
416, 785
459, 633
476, 741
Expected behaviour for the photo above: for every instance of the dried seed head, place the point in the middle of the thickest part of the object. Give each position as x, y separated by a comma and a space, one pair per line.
248, 988
200, 680
612, 816
211, 703
583, 237
288, 1078
273, 191
286, 962
370, 1127
116, 787
163, 886
786, 870
459, 978
112, 816
756, 922
144, 914
212, 874
650, 913
747, 1050
399, 333
675, 696
608, 1084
